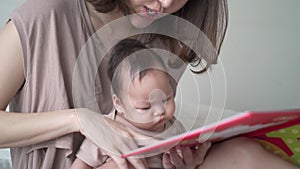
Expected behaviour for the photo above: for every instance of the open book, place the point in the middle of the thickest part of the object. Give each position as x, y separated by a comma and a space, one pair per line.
249, 123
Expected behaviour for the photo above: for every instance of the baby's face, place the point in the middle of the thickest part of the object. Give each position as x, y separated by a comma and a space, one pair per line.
148, 103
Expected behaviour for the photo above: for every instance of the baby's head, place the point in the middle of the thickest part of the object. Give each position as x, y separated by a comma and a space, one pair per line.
142, 89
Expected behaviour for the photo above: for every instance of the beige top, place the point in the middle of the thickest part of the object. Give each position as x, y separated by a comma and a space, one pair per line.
52, 33
92, 155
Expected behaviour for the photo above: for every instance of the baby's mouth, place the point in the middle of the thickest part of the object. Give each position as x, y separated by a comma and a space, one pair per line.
161, 120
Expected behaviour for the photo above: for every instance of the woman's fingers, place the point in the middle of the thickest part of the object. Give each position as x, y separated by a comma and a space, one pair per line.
186, 157
201, 152
121, 163
167, 161
111, 136
176, 159
128, 163
109, 165
130, 141
138, 163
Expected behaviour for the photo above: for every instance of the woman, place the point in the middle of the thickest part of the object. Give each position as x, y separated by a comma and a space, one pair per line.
39, 47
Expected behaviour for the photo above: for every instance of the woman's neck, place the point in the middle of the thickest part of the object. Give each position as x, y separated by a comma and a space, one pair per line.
100, 19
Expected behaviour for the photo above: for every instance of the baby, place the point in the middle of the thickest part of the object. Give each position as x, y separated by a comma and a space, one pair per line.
143, 98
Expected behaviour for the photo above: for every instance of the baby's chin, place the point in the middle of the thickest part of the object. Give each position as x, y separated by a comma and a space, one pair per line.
159, 127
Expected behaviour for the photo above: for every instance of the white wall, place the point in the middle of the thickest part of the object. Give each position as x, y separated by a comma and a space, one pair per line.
260, 55
6, 8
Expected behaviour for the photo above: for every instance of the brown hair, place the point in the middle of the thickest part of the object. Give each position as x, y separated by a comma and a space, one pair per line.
124, 52
105, 6
210, 16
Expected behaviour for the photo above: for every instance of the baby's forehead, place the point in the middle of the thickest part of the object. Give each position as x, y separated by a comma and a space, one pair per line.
153, 72
149, 79
142, 63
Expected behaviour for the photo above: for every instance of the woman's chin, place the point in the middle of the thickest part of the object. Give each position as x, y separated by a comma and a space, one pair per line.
139, 21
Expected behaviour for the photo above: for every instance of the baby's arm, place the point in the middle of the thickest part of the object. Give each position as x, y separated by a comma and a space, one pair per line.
79, 164
91, 156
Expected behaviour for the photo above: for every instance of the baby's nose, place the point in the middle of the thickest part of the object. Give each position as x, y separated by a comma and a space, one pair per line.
159, 110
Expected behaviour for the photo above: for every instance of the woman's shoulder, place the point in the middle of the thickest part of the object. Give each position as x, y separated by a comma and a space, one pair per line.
36, 16
40, 8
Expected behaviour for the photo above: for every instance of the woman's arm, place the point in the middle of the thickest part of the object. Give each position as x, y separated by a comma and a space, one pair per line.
16, 129
19, 129
11, 65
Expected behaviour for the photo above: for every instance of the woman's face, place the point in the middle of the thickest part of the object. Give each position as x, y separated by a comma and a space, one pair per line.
146, 11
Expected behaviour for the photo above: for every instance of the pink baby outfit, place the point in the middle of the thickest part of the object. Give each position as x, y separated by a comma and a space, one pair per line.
95, 157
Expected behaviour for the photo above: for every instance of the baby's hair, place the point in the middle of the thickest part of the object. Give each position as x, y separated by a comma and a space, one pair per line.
134, 57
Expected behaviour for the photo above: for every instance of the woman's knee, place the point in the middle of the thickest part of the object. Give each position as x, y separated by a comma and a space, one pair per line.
240, 153
246, 153
243, 147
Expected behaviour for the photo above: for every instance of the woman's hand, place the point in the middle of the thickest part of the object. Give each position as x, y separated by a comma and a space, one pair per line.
185, 157
112, 137
112, 164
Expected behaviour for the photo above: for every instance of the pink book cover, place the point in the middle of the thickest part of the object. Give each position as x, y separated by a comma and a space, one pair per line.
248, 123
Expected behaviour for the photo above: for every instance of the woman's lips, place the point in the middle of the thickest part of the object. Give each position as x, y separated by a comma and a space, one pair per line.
150, 13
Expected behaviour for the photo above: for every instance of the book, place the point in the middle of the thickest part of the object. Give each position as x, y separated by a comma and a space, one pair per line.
284, 142
248, 123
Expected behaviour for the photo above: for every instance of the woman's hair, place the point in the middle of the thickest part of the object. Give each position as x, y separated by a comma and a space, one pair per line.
210, 16
105, 6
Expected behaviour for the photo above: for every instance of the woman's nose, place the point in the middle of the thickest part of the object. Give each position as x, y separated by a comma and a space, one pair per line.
166, 3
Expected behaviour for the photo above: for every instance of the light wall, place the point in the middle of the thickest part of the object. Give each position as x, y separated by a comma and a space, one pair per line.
260, 55
6, 8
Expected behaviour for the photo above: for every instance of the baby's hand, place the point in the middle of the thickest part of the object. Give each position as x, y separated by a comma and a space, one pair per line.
186, 157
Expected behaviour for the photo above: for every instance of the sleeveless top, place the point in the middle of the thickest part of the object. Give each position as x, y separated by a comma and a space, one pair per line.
52, 34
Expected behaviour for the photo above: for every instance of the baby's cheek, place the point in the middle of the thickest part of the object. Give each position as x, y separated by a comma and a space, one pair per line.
144, 118
170, 110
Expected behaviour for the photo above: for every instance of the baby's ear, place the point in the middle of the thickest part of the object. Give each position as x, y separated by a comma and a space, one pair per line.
118, 104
